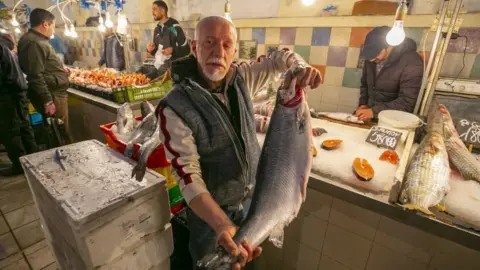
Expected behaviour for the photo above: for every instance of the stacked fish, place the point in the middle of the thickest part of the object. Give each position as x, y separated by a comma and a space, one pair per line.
427, 179
146, 134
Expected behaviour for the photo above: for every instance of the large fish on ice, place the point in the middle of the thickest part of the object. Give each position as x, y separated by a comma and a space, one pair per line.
282, 177
461, 158
426, 181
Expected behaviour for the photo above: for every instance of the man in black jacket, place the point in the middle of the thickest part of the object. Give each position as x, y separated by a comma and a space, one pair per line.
46, 75
169, 35
16, 132
392, 76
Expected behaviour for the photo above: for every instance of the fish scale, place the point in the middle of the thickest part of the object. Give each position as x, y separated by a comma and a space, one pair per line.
281, 179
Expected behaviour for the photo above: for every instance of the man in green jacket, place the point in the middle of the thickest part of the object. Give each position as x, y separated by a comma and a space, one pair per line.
47, 77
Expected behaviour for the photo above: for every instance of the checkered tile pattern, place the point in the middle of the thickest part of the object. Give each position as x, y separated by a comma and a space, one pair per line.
335, 51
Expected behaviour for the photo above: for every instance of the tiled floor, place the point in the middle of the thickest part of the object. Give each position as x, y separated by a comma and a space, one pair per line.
22, 242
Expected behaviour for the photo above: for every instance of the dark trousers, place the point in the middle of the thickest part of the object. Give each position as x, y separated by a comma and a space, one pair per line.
16, 132
61, 105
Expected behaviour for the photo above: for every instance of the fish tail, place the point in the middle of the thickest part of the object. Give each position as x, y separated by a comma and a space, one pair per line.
414, 207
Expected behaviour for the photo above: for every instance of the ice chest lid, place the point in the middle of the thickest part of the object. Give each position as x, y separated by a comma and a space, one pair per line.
96, 179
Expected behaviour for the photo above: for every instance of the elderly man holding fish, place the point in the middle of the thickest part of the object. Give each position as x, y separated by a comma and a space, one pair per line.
208, 129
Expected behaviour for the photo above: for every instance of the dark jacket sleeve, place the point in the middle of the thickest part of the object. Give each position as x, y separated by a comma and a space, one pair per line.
156, 41
34, 70
120, 55
410, 83
363, 87
103, 59
11, 70
181, 46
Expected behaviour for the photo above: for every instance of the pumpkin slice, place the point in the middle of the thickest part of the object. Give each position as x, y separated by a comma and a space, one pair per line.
363, 170
390, 156
314, 151
331, 144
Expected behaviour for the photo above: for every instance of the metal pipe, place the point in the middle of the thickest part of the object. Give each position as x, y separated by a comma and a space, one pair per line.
443, 12
433, 83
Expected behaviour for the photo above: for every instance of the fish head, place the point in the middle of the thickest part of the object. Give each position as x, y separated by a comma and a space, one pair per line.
448, 125
219, 259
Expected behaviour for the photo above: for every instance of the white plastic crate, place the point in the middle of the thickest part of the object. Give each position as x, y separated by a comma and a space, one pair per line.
152, 252
94, 206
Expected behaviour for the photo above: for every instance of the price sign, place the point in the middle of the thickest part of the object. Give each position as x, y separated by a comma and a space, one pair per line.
469, 131
383, 137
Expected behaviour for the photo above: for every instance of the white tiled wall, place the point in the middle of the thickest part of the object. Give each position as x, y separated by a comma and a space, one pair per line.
331, 234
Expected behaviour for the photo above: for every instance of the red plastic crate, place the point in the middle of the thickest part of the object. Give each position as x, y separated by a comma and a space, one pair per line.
156, 160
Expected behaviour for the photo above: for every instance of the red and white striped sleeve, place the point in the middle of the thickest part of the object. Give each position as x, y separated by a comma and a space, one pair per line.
181, 152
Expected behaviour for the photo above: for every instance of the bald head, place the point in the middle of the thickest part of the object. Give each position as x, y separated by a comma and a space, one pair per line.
214, 46
210, 22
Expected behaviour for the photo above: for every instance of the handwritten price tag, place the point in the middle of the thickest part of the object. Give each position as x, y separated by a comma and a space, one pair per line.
469, 131
383, 137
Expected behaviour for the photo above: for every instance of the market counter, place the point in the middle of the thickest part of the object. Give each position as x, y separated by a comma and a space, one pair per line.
87, 112
380, 205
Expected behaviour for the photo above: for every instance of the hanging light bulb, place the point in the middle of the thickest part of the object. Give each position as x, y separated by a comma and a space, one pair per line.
122, 23
397, 34
14, 21
108, 21
73, 32
308, 2
228, 10
122, 20
67, 31
101, 26
17, 30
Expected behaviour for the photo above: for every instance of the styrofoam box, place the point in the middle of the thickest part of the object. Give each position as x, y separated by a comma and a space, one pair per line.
94, 205
152, 252
162, 266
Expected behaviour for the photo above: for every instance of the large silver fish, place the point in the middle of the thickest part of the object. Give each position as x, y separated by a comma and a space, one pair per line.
144, 153
125, 120
426, 181
144, 131
461, 158
281, 179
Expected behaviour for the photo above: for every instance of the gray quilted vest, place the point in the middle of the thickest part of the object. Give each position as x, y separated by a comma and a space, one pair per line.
228, 156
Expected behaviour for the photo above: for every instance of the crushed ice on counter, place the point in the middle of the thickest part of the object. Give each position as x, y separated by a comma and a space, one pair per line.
463, 200
337, 164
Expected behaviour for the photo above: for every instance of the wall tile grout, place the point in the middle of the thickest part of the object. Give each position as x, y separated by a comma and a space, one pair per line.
373, 242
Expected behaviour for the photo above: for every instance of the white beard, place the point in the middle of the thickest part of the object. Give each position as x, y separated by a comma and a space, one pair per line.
215, 77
